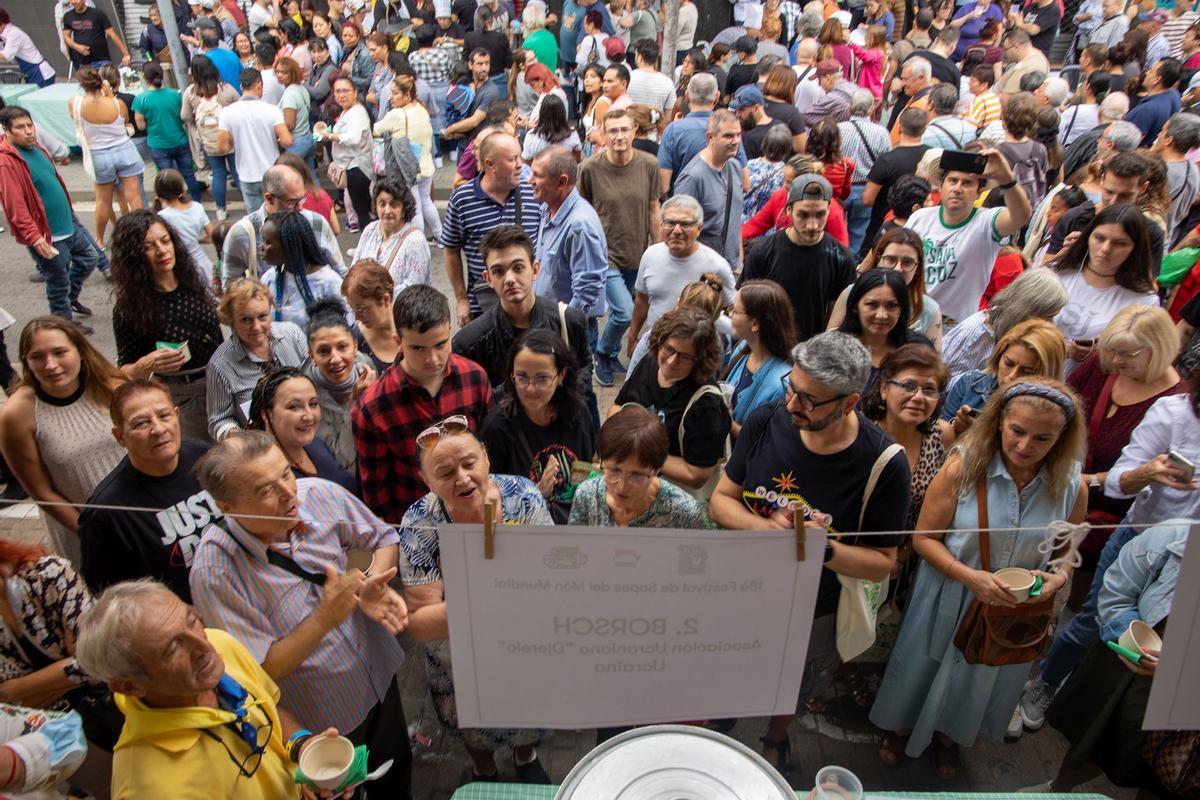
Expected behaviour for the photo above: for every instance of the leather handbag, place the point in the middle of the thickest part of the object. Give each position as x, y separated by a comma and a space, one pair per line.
1174, 756
996, 636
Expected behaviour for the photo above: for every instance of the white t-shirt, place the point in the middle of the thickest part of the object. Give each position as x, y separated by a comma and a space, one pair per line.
1089, 310
808, 91
190, 223
661, 277
257, 17
272, 88
651, 88
689, 15
959, 259
251, 122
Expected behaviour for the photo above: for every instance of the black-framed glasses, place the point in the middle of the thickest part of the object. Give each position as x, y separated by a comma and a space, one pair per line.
910, 388
686, 359
807, 401
253, 735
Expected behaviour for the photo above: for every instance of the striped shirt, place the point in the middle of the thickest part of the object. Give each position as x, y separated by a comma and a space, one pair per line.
1175, 27
472, 212
235, 587
233, 372
862, 142
985, 109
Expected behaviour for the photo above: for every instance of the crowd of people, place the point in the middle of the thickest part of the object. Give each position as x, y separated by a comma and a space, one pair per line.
880, 269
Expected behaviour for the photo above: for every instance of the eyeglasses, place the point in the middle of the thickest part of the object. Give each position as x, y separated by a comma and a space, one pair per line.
807, 401
287, 203
1126, 354
429, 438
634, 480
891, 262
670, 352
538, 382
251, 734
911, 389
669, 224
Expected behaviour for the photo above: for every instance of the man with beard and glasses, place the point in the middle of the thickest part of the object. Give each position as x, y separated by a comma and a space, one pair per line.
814, 453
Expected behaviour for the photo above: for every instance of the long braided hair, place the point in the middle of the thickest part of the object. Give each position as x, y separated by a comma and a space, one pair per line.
300, 249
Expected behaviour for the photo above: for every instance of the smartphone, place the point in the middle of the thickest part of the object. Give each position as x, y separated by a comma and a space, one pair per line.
973, 412
1084, 342
962, 161
1182, 464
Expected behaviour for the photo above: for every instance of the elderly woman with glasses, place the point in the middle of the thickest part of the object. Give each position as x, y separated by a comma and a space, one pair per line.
677, 383
630, 493
456, 468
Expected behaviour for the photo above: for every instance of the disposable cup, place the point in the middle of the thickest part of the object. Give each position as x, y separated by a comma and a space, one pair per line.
1019, 582
1140, 637
326, 760
837, 783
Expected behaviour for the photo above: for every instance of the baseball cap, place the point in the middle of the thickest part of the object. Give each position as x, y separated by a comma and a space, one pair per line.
748, 95
614, 48
1157, 15
746, 44
810, 187
828, 66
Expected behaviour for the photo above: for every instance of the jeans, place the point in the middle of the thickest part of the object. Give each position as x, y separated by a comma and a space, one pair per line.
66, 272
252, 194
102, 260
618, 290
179, 158
222, 168
427, 212
858, 216
1077, 636
304, 146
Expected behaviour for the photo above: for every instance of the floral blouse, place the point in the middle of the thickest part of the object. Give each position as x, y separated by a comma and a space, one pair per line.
766, 178
405, 254
520, 504
48, 598
672, 508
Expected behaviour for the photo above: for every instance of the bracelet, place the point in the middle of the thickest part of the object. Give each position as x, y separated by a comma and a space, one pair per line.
1004, 187
296, 741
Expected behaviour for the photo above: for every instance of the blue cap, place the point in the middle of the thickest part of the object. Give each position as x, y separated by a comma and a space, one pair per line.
747, 96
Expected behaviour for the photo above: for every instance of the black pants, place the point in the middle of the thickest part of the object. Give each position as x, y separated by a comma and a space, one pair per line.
358, 184
7, 375
385, 733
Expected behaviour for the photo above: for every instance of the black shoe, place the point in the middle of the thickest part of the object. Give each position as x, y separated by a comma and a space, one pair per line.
80, 308
531, 772
13, 493
86, 330
36, 276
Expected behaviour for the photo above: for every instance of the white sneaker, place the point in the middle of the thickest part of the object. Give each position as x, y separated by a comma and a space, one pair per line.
1015, 727
222, 215
438, 162
1034, 701
350, 251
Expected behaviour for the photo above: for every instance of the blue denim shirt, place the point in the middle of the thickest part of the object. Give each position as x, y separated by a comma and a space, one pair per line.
972, 389
573, 253
1141, 582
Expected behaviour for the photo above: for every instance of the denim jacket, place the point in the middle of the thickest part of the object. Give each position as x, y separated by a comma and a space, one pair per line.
1141, 582
971, 388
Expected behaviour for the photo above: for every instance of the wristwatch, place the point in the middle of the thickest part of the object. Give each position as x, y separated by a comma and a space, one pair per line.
1094, 481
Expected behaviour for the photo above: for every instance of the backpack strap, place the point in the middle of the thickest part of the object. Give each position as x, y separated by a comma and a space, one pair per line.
562, 324
888, 453
707, 388
252, 249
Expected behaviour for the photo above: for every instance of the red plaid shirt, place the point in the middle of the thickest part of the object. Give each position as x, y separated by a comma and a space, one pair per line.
387, 419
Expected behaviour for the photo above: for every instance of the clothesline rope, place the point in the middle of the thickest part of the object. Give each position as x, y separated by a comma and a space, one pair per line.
1041, 529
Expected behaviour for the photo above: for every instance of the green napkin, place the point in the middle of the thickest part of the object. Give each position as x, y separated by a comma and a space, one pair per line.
356, 775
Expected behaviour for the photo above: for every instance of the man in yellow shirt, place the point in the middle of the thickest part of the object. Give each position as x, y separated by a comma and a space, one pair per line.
201, 716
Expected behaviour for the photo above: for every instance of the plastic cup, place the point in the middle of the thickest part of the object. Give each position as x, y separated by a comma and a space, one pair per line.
837, 783
727, 389
327, 760
1140, 637
1019, 582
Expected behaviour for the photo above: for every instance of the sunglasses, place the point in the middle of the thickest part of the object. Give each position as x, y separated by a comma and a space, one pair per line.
429, 438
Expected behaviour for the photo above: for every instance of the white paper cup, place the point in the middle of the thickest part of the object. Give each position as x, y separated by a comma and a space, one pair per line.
1140, 637
327, 760
1019, 582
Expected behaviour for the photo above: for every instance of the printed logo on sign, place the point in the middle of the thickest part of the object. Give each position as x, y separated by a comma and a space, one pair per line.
941, 262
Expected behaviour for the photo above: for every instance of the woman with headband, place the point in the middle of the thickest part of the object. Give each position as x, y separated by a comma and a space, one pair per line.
1018, 467
456, 468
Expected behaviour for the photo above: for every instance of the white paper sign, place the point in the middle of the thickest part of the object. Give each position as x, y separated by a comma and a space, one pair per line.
1174, 696
578, 627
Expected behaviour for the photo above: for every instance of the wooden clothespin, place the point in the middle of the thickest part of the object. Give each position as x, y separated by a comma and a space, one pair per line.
489, 529
801, 535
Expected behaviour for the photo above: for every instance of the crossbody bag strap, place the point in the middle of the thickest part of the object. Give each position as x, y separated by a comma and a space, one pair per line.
707, 388
985, 555
277, 559
877, 468
953, 138
1098, 414
862, 138
562, 324
728, 209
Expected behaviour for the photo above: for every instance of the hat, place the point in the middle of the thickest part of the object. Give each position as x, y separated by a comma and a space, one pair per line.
441, 8
1157, 15
810, 187
748, 95
614, 48
746, 44
828, 66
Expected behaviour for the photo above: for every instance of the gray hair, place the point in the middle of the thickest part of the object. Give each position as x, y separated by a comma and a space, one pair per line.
837, 361
722, 116
1185, 130
1114, 106
702, 89
1056, 90
777, 144
810, 24
918, 66
1123, 136
1036, 294
1032, 80
559, 161
217, 469
685, 201
534, 17
942, 99
861, 103
109, 630
277, 177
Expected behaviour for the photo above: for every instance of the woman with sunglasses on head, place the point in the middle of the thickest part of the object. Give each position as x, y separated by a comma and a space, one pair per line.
630, 491
676, 381
878, 313
539, 426
455, 466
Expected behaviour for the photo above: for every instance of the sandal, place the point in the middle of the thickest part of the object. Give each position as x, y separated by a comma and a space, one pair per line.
783, 754
891, 748
946, 759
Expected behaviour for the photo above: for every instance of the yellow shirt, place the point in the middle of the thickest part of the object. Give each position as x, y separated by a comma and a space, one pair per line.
162, 752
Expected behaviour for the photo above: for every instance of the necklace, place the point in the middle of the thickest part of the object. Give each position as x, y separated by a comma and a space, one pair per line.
1088, 268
